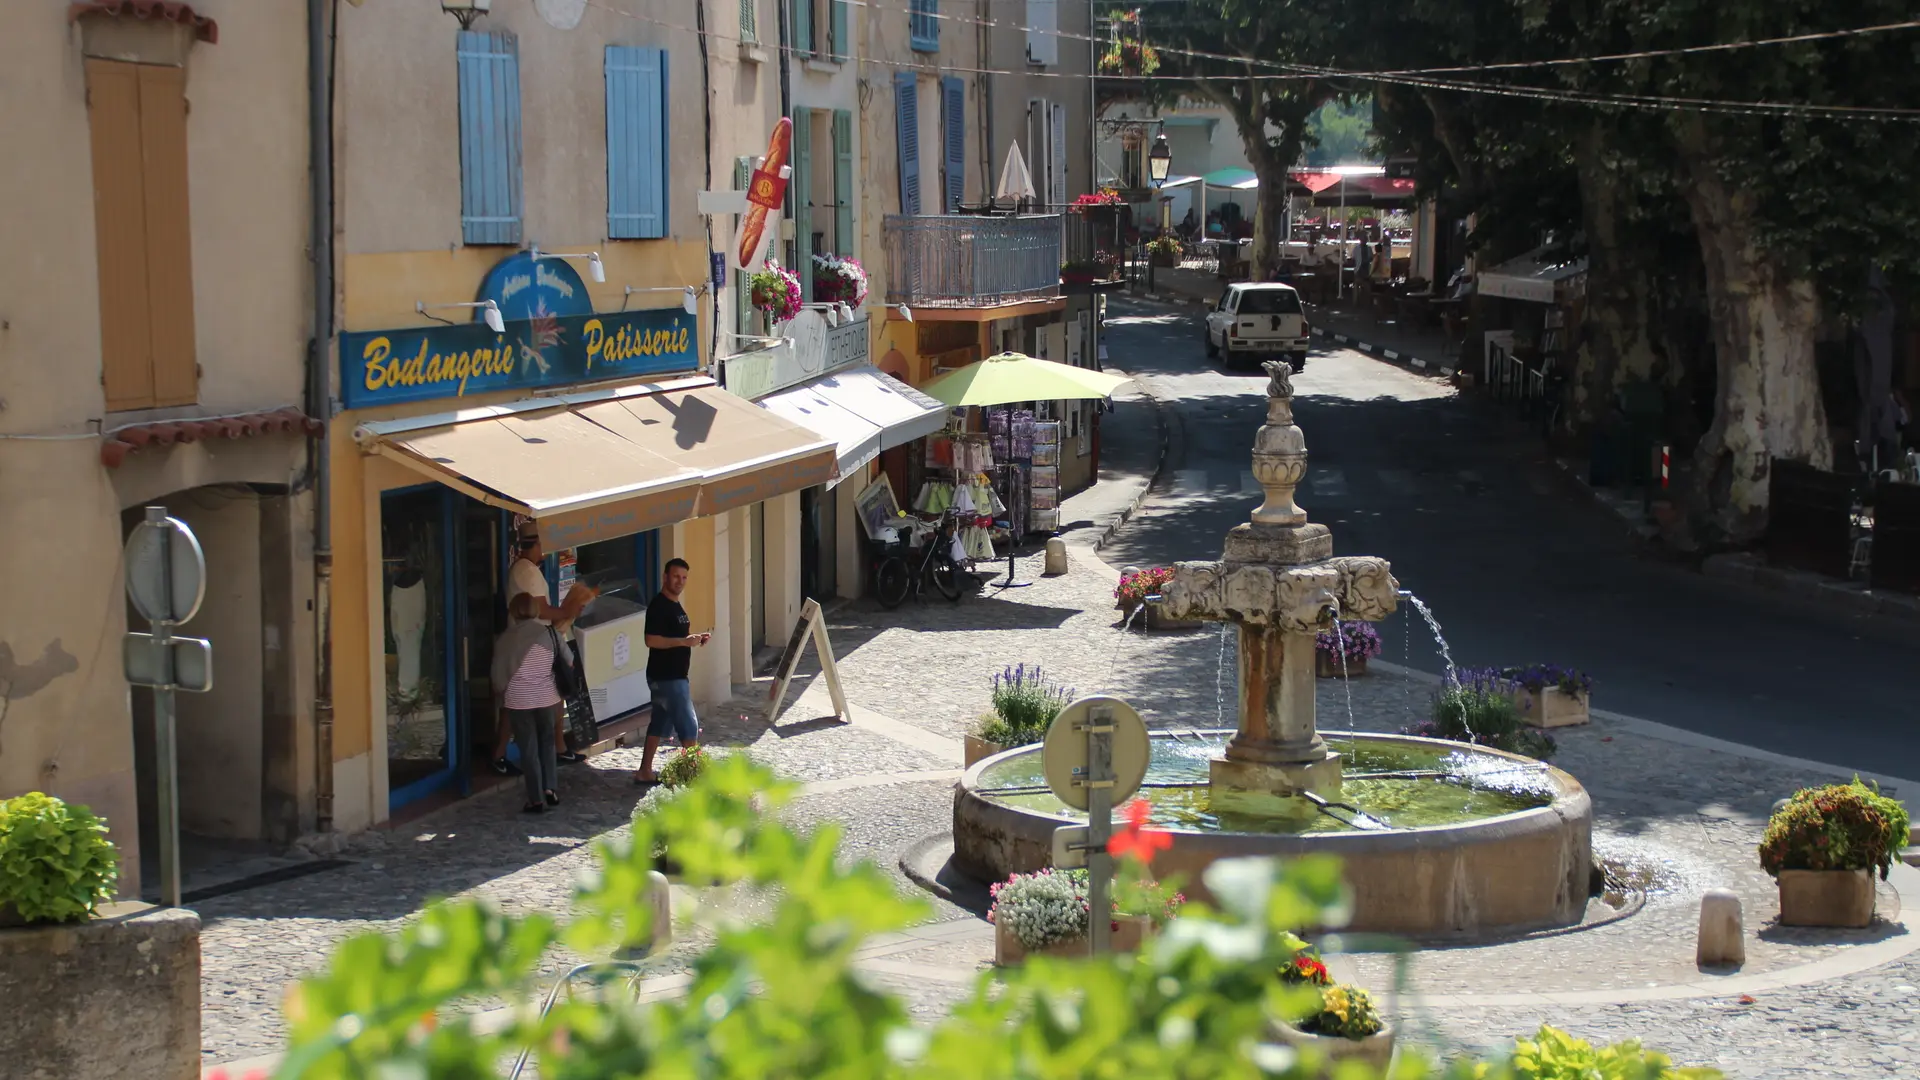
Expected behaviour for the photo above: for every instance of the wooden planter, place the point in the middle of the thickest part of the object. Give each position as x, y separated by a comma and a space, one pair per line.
1376, 1049
1158, 620
1132, 931
1328, 667
1551, 708
1826, 898
978, 749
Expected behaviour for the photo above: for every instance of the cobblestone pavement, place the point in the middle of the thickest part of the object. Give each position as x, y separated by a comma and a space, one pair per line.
916, 677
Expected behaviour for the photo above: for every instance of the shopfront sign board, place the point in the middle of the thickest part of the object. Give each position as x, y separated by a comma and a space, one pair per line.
810, 349
811, 624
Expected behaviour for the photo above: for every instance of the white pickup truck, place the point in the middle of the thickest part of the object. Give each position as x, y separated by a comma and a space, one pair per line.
1257, 320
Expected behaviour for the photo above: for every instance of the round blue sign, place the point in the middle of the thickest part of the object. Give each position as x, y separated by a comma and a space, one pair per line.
526, 289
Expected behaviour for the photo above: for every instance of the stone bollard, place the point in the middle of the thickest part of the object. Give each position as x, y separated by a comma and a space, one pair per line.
1056, 557
1723, 940
660, 897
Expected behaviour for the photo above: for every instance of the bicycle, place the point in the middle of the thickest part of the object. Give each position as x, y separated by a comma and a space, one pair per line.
896, 577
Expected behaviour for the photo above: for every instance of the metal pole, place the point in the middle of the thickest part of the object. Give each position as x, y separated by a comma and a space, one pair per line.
1099, 828
166, 774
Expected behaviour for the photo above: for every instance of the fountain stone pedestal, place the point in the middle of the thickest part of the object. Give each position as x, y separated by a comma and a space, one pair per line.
1280, 584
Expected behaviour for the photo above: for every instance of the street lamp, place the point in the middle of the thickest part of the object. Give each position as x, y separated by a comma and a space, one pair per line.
466, 10
1159, 161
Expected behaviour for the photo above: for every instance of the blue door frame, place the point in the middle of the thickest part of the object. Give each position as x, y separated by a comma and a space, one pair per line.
453, 771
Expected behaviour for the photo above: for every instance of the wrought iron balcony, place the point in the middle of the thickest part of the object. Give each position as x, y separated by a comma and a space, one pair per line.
967, 261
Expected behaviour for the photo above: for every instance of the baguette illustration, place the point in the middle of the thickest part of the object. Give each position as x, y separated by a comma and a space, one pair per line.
753, 224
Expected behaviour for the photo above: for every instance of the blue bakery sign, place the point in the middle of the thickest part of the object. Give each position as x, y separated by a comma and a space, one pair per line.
553, 337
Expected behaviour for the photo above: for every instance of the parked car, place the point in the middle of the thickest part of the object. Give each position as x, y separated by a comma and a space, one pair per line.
1257, 320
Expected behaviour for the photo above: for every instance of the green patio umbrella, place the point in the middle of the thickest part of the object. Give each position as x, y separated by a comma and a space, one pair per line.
1011, 378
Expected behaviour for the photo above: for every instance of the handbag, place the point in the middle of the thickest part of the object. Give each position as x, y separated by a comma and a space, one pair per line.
565, 678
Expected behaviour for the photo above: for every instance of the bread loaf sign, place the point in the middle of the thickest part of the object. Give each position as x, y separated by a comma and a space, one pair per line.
766, 195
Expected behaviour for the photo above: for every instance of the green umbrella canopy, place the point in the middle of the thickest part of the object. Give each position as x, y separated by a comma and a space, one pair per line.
1011, 378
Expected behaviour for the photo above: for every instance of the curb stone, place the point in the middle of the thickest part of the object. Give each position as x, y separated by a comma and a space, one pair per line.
1381, 352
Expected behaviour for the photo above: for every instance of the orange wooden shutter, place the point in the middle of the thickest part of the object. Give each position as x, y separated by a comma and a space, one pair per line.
120, 233
163, 143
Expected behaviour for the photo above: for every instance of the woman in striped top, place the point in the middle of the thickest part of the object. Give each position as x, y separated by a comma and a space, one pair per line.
523, 682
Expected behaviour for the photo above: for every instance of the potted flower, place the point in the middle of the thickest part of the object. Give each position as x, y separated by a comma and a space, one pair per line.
1163, 251
838, 280
1479, 709
1047, 912
1343, 651
775, 292
1549, 695
1128, 55
1024, 704
676, 776
56, 863
1345, 1027
1136, 585
1822, 848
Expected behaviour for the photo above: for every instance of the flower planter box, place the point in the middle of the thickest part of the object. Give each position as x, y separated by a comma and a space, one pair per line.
1157, 619
1376, 1049
115, 997
1132, 931
1328, 667
977, 749
1157, 259
1826, 898
1551, 708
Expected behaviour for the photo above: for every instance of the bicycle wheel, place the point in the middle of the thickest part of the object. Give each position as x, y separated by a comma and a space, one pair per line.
946, 578
890, 582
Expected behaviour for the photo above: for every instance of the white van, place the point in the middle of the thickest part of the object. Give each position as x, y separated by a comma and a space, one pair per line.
1257, 320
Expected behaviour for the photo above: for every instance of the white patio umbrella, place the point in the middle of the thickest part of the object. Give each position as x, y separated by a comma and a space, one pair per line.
1015, 181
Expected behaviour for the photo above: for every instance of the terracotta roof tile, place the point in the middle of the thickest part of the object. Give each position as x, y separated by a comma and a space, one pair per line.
164, 433
168, 10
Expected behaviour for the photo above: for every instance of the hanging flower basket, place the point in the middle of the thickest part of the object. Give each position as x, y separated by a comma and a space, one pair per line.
775, 291
839, 281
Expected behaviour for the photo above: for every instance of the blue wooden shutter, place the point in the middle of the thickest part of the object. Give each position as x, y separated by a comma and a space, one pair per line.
749, 23
953, 143
636, 143
843, 182
489, 137
802, 190
907, 111
803, 27
924, 25
840, 46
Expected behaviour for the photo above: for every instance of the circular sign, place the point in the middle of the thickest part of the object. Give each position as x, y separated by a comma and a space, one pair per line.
1063, 757
525, 288
166, 571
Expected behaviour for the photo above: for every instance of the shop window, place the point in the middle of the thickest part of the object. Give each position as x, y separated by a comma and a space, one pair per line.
137, 116
637, 151
490, 203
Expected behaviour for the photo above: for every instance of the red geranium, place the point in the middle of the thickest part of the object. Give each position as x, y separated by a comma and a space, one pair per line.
1136, 841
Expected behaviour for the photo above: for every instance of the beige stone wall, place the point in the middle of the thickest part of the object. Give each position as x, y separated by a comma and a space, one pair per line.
67, 725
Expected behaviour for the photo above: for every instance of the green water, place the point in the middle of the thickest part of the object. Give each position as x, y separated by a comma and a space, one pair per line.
1474, 786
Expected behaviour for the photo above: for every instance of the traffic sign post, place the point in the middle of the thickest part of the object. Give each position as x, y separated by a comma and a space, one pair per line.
166, 580
1095, 756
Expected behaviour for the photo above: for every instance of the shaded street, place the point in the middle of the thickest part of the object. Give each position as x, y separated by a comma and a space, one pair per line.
1518, 564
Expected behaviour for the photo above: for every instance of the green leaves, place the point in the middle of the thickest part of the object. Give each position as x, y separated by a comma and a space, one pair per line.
56, 863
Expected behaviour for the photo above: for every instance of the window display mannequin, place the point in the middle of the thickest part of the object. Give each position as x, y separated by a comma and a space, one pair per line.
407, 622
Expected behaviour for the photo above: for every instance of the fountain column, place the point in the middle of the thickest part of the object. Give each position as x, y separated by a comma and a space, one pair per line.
1280, 584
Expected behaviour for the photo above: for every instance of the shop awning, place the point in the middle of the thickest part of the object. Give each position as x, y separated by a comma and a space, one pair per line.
1536, 277
864, 409
599, 465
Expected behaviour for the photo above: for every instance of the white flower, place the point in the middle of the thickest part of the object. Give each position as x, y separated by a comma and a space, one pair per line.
1040, 909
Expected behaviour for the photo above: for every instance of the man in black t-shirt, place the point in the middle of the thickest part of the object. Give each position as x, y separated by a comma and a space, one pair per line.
669, 655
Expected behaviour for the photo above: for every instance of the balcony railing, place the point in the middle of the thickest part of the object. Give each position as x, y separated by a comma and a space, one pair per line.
960, 260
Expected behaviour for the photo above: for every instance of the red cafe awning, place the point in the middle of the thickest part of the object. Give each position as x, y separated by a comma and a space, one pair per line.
1316, 182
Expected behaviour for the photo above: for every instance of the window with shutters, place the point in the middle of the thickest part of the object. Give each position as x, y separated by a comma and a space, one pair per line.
843, 182
924, 25
953, 140
800, 191
906, 92
137, 115
489, 137
749, 23
637, 153
1056, 192
1043, 32
802, 15
840, 42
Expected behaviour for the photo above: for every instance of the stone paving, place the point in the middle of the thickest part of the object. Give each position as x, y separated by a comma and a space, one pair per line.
915, 678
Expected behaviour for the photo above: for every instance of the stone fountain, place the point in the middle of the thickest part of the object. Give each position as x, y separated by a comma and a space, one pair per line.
1436, 838
1280, 584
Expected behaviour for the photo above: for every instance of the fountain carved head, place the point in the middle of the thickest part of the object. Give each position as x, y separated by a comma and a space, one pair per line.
1279, 380
1293, 599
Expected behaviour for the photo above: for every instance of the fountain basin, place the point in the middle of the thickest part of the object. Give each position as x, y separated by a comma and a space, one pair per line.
1503, 844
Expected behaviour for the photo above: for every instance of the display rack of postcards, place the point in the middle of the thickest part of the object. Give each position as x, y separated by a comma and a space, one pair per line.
1011, 434
1044, 478
960, 470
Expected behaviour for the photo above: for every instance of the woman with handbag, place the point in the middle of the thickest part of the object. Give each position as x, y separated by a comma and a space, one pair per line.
532, 673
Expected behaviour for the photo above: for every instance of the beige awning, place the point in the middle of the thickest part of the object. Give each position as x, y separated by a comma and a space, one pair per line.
598, 466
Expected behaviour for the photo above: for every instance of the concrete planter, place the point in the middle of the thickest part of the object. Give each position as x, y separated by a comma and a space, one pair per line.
1551, 707
1826, 898
1127, 937
1376, 1049
1157, 619
1328, 667
108, 999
